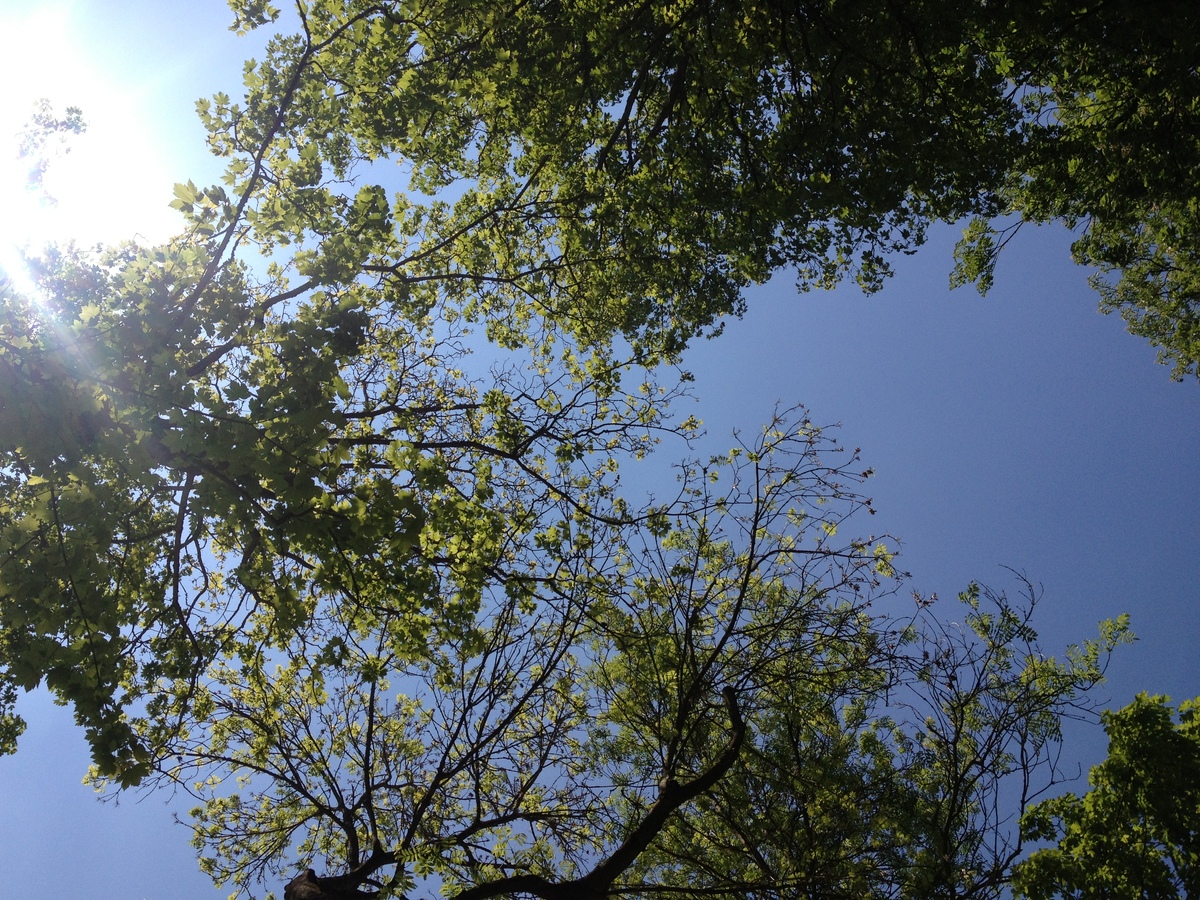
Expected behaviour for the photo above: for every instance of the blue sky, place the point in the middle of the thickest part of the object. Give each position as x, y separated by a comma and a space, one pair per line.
1023, 429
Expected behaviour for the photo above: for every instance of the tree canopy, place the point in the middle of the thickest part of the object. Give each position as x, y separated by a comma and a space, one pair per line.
1111, 100
1134, 834
628, 168
286, 532
397, 622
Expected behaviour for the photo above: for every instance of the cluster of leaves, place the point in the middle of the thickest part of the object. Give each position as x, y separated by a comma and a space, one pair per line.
1134, 833
629, 168
620, 168
902, 786
1112, 110
175, 466
44, 137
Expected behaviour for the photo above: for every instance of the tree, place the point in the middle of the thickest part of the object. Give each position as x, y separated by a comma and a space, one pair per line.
629, 168
1136, 833
609, 678
705, 705
626, 169
171, 467
913, 790
192, 424
1112, 102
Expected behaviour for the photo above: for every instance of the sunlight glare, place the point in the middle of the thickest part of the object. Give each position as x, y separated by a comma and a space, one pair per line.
112, 185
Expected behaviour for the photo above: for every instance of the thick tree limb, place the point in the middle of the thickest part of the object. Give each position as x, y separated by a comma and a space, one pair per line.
671, 797
592, 886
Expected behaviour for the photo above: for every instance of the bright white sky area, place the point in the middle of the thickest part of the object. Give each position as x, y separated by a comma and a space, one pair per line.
1021, 430
110, 185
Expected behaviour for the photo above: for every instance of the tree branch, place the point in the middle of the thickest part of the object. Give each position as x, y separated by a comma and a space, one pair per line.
671, 797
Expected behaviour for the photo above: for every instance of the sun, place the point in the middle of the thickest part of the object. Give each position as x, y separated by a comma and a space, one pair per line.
27, 221
104, 185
